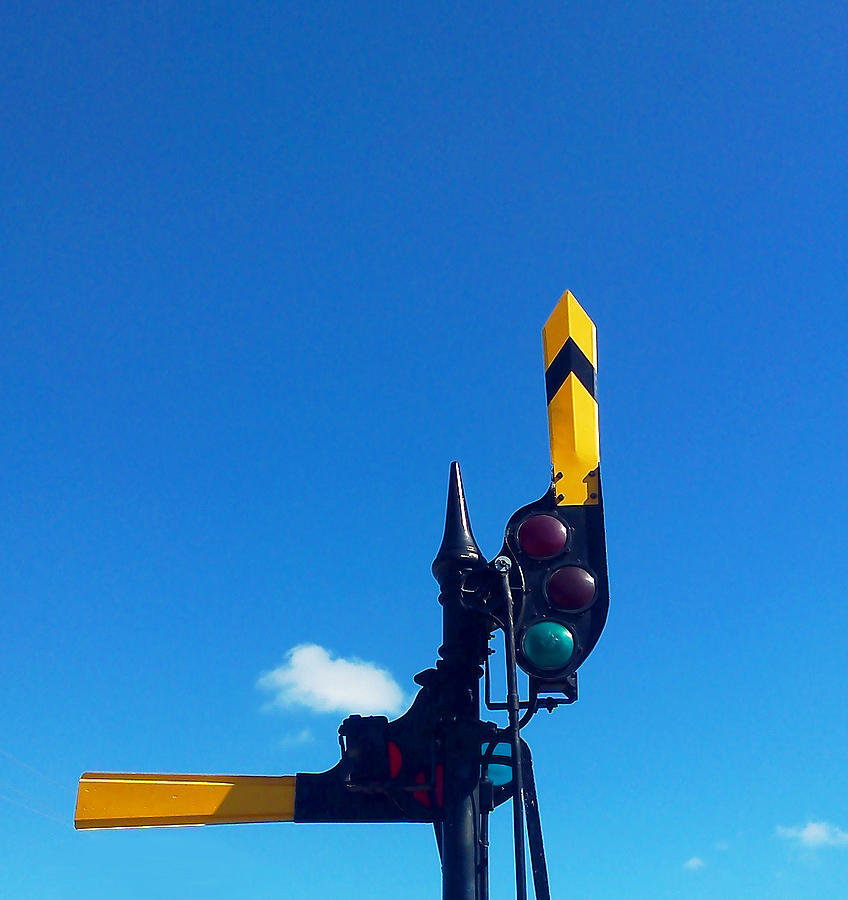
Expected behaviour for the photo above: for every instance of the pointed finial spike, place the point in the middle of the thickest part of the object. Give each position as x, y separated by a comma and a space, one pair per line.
459, 550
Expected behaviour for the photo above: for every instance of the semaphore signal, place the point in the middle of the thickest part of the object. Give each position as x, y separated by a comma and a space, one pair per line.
440, 763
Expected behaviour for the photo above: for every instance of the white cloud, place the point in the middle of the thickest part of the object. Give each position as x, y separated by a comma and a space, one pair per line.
815, 834
311, 677
694, 863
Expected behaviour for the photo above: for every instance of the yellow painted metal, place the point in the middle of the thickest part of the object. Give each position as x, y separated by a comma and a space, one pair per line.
573, 411
573, 424
113, 800
569, 320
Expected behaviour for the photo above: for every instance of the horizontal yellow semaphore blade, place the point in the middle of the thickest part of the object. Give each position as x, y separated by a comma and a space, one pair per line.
571, 364
120, 800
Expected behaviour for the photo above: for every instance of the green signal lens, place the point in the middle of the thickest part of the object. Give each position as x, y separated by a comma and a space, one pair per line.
548, 645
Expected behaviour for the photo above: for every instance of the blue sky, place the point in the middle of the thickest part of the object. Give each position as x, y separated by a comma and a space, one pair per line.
267, 269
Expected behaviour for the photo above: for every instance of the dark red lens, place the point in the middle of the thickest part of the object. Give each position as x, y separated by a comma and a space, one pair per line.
423, 797
395, 759
571, 588
542, 536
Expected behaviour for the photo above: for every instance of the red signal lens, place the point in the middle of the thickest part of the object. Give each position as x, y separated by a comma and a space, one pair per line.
395, 759
423, 797
571, 588
542, 536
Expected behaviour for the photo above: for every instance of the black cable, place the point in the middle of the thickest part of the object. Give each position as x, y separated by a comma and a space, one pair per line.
532, 706
502, 564
483, 843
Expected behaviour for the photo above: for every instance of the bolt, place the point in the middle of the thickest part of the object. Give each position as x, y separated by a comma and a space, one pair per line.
503, 564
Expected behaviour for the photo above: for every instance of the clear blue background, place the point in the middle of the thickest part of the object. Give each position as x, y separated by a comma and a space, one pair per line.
266, 268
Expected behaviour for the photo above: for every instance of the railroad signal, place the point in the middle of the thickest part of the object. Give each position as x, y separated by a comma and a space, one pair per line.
559, 582
558, 542
439, 763
556, 545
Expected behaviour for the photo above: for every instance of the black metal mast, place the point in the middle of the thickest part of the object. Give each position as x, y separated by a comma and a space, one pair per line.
465, 645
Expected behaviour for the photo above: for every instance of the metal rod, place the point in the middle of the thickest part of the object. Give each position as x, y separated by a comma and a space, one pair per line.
503, 564
485, 804
534, 828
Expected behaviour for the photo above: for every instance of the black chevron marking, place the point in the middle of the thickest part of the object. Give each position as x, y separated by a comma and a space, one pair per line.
570, 359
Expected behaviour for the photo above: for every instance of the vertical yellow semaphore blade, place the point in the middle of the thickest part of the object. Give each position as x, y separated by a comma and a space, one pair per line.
570, 371
119, 800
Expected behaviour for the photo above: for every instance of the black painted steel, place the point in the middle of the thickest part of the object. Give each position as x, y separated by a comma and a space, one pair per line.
464, 648
515, 741
586, 549
534, 827
426, 765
